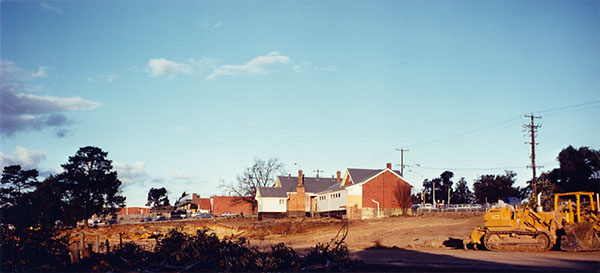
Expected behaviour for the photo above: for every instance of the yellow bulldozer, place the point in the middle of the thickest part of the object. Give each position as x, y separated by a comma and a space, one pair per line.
574, 225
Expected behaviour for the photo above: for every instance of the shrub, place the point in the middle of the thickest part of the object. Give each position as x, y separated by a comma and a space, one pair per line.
31, 250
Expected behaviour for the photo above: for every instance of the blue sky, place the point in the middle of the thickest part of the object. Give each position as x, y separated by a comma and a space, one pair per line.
187, 94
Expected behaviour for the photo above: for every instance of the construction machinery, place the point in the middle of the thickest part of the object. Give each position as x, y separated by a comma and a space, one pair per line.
573, 225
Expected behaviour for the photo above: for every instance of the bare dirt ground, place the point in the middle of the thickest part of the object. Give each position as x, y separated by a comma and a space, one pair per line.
425, 242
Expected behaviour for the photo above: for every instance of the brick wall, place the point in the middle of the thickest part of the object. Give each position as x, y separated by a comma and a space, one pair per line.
134, 211
296, 203
296, 206
231, 204
387, 189
204, 204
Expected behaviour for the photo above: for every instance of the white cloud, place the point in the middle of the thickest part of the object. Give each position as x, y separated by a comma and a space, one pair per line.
20, 110
131, 173
306, 67
35, 104
256, 66
105, 78
111, 77
330, 68
163, 67
217, 25
40, 73
301, 67
48, 7
184, 176
28, 159
210, 23
182, 130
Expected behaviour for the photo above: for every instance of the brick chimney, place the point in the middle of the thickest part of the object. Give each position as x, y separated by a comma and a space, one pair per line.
389, 166
339, 178
296, 202
300, 178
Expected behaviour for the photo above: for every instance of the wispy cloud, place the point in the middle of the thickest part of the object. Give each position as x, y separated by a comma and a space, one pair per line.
329, 68
301, 67
177, 175
306, 67
131, 173
21, 111
104, 78
164, 67
28, 159
210, 23
256, 66
40, 73
48, 7
182, 130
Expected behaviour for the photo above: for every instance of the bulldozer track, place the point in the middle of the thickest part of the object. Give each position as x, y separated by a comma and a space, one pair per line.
496, 241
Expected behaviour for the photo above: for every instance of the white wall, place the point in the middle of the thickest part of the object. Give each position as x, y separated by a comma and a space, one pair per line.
332, 201
271, 204
354, 190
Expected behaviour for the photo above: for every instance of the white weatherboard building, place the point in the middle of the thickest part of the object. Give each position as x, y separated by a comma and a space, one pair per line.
362, 193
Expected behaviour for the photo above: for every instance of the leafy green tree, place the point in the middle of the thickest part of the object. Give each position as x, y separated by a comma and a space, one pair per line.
462, 194
52, 206
446, 178
442, 185
28, 226
491, 188
579, 170
91, 186
428, 189
15, 183
158, 198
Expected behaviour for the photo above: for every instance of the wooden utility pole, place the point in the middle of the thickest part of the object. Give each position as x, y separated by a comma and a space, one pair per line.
532, 129
402, 150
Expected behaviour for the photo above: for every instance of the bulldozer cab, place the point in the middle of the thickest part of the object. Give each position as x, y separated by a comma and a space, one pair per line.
576, 207
580, 220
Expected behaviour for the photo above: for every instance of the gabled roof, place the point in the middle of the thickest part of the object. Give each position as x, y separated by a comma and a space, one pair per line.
361, 175
271, 192
317, 185
357, 176
289, 184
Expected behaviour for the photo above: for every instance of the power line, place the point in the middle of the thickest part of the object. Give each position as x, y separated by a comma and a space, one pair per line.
486, 129
504, 124
490, 128
472, 169
377, 157
571, 108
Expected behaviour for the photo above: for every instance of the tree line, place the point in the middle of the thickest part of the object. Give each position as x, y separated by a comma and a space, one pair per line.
33, 211
579, 170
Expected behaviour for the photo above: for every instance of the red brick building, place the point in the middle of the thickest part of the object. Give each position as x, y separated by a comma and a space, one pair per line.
237, 205
134, 211
215, 204
362, 193
194, 203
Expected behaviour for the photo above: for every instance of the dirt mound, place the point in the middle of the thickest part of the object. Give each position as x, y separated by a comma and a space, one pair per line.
422, 231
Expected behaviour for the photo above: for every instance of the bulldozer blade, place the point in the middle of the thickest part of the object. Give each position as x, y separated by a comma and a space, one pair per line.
580, 237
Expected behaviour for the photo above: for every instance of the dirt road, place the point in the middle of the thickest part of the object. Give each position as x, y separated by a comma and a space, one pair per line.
426, 242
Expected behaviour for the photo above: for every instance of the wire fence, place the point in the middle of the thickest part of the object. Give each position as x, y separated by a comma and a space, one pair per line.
451, 208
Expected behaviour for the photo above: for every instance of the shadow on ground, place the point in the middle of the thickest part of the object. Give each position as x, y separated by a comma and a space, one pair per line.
394, 259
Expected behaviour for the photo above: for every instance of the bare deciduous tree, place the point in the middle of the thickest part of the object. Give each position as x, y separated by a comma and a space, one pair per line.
260, 174
403, 197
